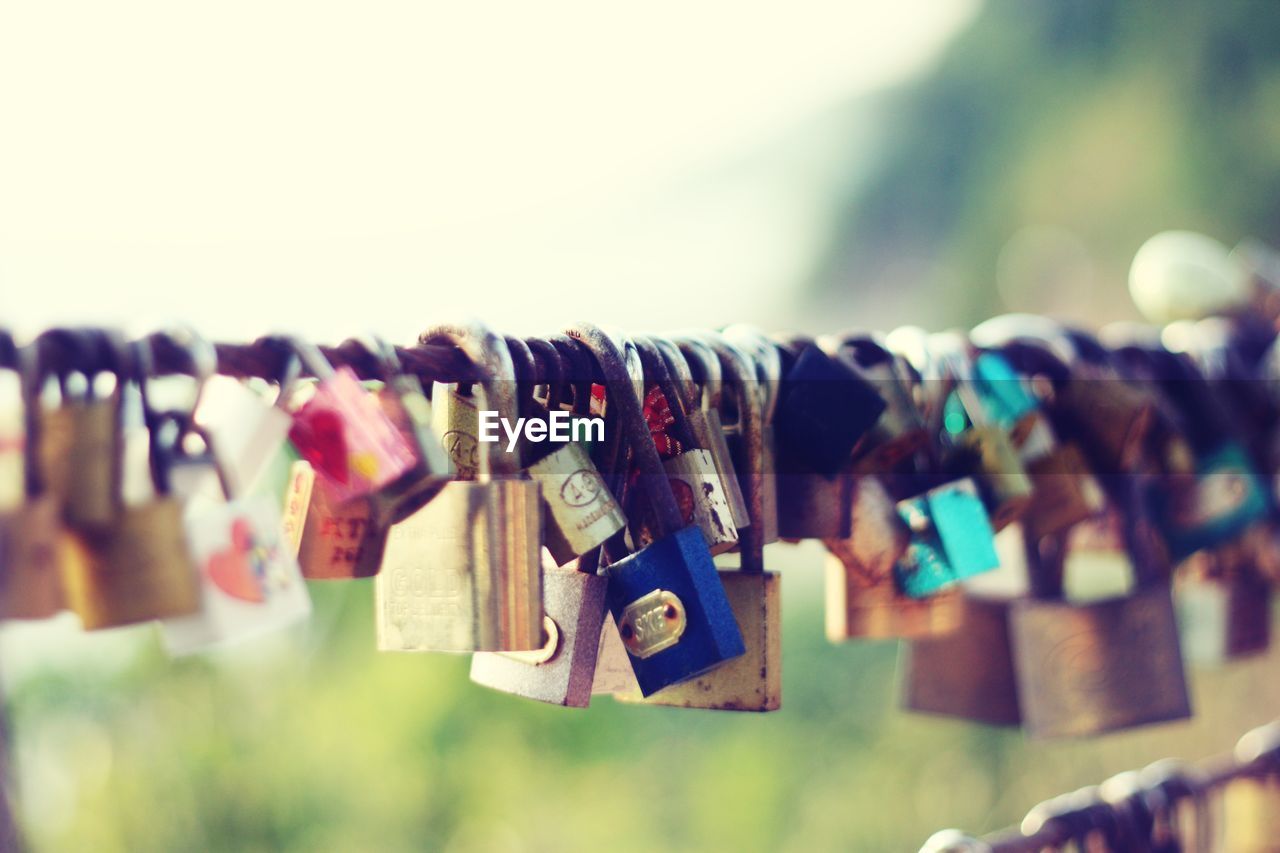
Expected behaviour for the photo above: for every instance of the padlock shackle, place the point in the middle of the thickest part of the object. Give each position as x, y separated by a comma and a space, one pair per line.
486, 349
655, 372
526, 376
680, 371
768, 361
623, 399
579, 371
550, 370
708, 373
739, 372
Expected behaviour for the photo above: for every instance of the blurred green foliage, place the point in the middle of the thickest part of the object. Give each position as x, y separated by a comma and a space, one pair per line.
1105, 122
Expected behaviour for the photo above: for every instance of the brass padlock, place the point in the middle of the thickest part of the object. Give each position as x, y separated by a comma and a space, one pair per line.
579, 511
862, 597
340, 541
1088, 668
1064, 491
968, 673
464, 572
83, 446
694, 477
563, 671
141, 567
752, 682
34, 546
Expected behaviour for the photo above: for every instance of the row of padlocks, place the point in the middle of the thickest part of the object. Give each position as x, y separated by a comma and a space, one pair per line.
1034, 507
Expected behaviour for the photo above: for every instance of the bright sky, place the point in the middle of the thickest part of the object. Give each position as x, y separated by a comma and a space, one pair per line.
333, 168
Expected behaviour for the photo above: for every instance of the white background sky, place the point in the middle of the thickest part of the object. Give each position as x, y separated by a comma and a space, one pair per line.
333, 168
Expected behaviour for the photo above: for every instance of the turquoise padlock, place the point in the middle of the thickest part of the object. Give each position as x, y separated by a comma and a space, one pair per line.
1002, 392
1225, 496
951, 539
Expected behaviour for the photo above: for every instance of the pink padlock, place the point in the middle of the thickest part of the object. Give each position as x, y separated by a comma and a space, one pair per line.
343, 432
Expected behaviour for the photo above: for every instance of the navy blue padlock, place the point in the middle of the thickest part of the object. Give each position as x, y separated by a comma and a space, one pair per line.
666, 598
824, 410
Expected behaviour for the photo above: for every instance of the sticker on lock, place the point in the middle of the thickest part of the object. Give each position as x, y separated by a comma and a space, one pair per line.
652, 623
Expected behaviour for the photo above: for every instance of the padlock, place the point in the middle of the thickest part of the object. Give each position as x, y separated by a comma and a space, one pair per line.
82, 449
670, 606
702, 406
752, 682
824, 410
967, 673
579, 511
899, 431
951, 539
34, 545
699, 489
613, 675
464, 572
1224, 606
1064, 491
141, 568
1099, 666
563, 671
341, 540
1215, 504
862, 597
343, 432
455, 418
768, 365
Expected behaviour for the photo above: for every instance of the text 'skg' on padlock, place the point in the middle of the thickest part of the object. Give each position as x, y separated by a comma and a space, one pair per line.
464, 572
752, 682
667, 599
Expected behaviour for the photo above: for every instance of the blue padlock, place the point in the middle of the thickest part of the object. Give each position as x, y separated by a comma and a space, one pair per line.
951, 539
1002, 392
666, 598
1225, 497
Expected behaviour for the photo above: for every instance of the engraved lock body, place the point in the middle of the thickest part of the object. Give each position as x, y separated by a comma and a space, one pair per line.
82, 447
464, 572
580, 512
1098, 666
698, 485
968, 673
340, 540
752, 682
667, 599
455, 417
862, 596
563, 671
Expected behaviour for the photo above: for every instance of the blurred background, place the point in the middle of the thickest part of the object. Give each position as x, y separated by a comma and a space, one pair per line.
331, 168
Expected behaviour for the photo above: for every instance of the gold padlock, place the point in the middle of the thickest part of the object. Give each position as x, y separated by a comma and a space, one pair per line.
82, 449
752, 682
464, 572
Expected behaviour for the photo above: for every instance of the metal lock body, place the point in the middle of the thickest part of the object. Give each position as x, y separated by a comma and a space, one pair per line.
862, 597
82, 442
752, 682
671, 609
1003, 482
1094, 667
824, 410
699, 489
139, 570
613, 673
968, 673
579, 510
34, 549
464, 572
702, 407
813, 505
900, 431
951, 539
763, 354
456, 419
1224, 611
340, 541
563, 671
1064, 492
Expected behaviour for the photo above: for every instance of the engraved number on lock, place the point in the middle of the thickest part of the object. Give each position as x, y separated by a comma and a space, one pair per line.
462, 449
652, 623
581, 488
